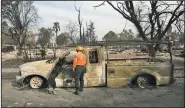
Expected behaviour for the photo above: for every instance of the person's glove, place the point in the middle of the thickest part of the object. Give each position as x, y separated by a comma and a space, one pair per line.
85, 70
73, 69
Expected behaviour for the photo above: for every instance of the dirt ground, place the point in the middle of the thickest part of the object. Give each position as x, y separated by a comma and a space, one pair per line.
163, 96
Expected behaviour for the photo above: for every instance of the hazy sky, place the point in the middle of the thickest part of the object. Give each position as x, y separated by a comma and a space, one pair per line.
105, 18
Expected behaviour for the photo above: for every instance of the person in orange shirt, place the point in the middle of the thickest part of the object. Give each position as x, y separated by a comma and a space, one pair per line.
79, 63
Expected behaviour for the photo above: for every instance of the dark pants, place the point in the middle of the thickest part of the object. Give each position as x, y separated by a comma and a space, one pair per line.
79, 77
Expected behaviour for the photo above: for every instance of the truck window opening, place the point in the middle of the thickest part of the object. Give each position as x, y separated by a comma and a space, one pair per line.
93, 56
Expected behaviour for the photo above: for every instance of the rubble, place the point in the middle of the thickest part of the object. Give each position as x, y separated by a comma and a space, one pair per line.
179, 73
9, 55
13, 54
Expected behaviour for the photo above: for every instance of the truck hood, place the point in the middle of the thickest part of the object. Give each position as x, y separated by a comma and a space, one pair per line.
40, 67
37, 67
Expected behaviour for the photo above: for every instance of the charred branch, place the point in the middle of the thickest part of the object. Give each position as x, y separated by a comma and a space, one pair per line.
99, 5
79, 22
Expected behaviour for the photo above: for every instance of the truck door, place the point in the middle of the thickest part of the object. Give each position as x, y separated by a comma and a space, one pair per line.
66, 74
95, 68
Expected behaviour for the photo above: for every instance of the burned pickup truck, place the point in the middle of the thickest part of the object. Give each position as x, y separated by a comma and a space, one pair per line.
99, 71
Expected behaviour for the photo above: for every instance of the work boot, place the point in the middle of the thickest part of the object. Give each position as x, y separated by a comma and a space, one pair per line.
76, 92
51, 92
81, 89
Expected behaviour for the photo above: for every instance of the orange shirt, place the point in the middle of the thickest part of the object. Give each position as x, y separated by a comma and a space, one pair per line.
79, 59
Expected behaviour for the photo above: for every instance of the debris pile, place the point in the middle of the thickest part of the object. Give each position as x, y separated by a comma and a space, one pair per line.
13, 54
9, 55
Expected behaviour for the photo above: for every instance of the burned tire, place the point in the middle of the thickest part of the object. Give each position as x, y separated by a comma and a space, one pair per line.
36, 82
143, 82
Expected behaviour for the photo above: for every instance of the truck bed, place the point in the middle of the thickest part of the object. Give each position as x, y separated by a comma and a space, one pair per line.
119, 71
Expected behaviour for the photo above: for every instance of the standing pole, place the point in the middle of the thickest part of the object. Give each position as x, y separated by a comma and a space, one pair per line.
170, 46
107, 52
170, 42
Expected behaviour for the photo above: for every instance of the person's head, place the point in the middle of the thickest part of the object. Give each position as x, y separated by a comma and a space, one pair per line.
79, 48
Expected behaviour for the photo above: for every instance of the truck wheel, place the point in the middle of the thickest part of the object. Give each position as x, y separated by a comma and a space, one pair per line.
36, 82
142, 82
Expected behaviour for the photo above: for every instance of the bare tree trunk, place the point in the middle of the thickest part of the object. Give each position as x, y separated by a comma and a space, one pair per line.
152, 52
83, 36
30, 50
20, 49
72, 40
54, 51
25, 54
36, 52
81, 39
79, 23
170, 51
44, 53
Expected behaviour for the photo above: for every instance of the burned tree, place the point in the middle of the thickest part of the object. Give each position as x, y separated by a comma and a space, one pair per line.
151, 23
110, 36
56, 28
20, 16
80, 23
83, 35
179, 23
90, 35
44, 36
126, 35
62, 39
72, 30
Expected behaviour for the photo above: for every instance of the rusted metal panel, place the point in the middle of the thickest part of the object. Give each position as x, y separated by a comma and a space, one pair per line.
116, 82
95, 76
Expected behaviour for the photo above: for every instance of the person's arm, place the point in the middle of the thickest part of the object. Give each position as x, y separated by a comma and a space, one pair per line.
85, 64
85, 60
74, 62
